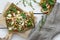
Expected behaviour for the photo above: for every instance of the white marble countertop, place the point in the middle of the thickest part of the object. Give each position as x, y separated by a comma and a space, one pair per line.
3, 3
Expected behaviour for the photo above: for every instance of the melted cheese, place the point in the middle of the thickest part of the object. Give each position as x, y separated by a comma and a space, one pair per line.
9, 15
10, 28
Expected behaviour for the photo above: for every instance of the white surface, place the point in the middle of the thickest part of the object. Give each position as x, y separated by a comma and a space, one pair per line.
3, 3
57, 37
28, 8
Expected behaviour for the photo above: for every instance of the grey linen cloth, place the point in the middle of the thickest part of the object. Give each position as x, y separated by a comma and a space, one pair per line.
50, 28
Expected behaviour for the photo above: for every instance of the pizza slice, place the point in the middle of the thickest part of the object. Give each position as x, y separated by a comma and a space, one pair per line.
17, 20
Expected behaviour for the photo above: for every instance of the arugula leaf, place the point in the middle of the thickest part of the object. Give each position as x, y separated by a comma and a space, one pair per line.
51, 2
13, 9
29, 23
44, 6
23, 15
8, 12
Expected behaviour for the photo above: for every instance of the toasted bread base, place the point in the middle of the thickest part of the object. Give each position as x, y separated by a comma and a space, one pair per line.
22, 34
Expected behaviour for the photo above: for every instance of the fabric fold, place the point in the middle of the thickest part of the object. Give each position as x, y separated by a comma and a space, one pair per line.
50, 28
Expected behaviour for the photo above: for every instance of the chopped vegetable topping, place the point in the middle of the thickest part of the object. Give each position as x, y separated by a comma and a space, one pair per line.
50, 2
8, 12
44, 6
13, 9
16, 20
29, 23
23, 15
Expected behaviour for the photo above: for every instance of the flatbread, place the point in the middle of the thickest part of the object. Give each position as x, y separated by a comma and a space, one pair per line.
3, 23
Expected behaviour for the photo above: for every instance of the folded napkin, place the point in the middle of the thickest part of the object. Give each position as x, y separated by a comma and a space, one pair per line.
50, 28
